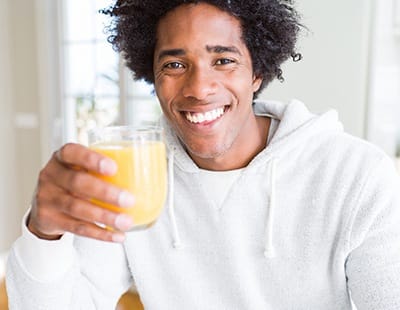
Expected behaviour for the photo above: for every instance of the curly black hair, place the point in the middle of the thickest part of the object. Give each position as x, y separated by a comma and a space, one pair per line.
269, 28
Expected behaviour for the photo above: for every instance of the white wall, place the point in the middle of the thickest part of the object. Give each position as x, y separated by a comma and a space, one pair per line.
333, 71
19, 115
384, 110
7, 136
49, 76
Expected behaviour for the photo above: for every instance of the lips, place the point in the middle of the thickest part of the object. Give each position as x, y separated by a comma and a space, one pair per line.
202, 117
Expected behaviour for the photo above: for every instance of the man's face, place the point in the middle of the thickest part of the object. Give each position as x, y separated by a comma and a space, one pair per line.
205, 83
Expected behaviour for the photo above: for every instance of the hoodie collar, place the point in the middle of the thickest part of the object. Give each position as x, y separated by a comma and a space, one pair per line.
297, 125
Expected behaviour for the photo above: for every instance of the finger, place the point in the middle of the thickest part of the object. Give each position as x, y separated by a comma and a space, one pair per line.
90, 230
66, 223
51, 215
86, 211
82, 184
77, 155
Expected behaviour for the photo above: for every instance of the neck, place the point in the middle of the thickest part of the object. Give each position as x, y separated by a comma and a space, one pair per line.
244, 154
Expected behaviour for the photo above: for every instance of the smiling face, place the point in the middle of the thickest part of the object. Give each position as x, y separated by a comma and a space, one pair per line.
205, 83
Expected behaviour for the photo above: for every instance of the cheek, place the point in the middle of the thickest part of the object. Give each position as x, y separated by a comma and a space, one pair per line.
165, 89
165, 97
243, 81
162, 93
245, 91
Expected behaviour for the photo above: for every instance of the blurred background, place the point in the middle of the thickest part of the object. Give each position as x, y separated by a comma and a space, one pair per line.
59, 77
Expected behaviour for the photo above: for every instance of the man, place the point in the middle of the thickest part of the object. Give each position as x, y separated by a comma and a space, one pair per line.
272, 208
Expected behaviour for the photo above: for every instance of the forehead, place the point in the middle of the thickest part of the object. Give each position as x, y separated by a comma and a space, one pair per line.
202, 22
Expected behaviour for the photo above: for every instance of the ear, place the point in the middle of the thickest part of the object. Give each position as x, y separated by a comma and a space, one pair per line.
256, 83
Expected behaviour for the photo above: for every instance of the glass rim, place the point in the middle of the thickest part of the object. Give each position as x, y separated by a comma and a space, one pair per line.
127, 128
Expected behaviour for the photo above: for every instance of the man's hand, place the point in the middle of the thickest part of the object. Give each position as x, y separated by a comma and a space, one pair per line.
62, 200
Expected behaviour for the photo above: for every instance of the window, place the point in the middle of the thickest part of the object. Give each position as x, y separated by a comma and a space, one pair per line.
396, 17
97, 89
384, 93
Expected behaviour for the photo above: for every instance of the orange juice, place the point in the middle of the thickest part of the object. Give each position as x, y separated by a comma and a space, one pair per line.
142, 170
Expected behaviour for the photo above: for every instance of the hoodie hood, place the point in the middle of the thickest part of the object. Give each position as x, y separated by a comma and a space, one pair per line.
296, 125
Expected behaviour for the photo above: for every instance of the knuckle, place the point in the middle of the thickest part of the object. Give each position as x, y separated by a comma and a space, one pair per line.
77, 180
108, 236
40, 195
61, 154
66, 147
107, 217
71, 206
43, 175
55, 155
43, 194
80, 229
90, 158
110, 194
103, 234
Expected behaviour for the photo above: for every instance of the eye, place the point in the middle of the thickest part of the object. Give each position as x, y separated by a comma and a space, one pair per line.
174, 65
224, 61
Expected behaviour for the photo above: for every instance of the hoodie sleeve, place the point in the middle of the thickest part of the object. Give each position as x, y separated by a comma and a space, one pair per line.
71, 273
373, 263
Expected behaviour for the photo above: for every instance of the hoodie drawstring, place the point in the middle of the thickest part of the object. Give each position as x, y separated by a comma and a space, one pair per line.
171, 211
269, 250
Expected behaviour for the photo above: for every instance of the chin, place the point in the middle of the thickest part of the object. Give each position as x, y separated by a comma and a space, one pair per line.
207, 152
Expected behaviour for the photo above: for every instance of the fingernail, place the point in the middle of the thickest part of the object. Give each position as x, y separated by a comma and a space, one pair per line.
108, 166
118, 238
126, 199
123, 222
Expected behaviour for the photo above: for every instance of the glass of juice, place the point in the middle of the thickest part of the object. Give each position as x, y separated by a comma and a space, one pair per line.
140, 154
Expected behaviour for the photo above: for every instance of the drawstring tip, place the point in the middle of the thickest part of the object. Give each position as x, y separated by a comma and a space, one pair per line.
177, 245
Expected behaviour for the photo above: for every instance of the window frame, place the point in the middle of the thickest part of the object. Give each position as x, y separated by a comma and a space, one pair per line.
57, 121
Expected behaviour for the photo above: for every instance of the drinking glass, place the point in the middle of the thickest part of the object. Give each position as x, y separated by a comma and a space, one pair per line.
140, 154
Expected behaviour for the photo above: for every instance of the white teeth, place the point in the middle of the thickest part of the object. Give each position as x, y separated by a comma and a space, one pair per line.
204, 117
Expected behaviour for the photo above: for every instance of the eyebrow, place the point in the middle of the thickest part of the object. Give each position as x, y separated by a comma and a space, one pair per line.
218, 49
171, 52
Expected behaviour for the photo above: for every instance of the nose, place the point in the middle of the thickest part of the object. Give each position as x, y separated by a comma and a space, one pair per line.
199, 83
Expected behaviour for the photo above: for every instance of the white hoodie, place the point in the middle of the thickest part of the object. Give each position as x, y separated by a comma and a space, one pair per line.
313, 217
